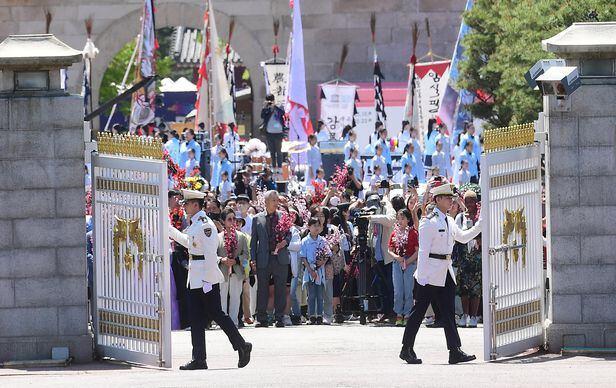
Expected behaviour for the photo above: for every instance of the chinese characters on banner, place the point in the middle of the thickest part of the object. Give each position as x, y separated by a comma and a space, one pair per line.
337, 106
276, 76
430, 82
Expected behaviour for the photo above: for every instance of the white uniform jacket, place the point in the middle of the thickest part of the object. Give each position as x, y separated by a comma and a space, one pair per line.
201, 239
437, 236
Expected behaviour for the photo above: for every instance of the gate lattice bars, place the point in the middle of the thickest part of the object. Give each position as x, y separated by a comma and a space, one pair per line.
131, 270
512, 242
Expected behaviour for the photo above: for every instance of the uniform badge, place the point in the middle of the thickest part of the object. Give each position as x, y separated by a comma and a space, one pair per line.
207, 231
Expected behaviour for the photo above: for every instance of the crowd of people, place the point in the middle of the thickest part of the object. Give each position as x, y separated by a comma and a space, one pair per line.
308, 274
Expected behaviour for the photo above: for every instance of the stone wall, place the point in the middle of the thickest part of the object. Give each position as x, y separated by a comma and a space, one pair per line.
583, 210
328, 24
43, 297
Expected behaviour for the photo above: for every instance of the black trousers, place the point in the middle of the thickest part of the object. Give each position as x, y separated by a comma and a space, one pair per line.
444, 297
274, 145
180, 273
205, 307
279, 272
385, 286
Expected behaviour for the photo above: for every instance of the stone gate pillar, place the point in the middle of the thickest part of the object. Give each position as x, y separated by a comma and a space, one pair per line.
43, 289
582, 162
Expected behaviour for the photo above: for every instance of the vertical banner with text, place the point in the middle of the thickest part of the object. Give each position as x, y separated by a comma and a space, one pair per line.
430, 83
337, 106
276, 77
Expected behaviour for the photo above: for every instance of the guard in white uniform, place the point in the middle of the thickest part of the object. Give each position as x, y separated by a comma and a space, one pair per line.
434, 277
201, 239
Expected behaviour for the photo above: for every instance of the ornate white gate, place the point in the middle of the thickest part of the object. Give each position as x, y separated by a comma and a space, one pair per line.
512, 243
131, 306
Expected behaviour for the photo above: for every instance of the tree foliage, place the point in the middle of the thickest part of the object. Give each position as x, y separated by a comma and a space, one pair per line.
505, 41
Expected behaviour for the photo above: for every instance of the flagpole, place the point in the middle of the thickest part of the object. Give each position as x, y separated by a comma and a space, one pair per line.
130, 64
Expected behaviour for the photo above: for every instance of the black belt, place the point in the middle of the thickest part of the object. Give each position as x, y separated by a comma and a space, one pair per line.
196, 257
439, 257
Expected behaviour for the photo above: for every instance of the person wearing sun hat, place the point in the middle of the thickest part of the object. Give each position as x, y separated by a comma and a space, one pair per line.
434, 277
204, 276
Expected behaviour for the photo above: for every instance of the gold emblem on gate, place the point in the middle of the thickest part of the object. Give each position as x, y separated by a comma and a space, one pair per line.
514, 223
127, 230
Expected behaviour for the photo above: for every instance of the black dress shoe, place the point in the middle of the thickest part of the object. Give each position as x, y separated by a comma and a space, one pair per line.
244, 354
457, 355
408, 355
296, 320
279, 324
194, 365
435, 325
262, 324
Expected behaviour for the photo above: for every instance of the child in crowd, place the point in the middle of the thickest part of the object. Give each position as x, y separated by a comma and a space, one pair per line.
314, 274
225, 188
321, 177
376, 178
191, 163
407, 179
403, 246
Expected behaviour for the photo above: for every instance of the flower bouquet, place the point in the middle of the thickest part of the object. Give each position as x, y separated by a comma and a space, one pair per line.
319, 192
340, 178
196, 183
230, 242
323, 253
283, 228
400, 240
176, 216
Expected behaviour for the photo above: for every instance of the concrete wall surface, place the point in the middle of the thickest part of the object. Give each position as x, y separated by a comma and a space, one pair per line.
43, 290
583, 210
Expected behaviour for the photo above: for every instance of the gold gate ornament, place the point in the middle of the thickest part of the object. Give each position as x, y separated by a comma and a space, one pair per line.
127, 230
514, 223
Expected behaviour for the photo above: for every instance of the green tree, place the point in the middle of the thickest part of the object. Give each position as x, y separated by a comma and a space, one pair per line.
505, 41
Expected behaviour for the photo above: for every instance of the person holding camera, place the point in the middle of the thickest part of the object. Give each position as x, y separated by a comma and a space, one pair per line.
274, 127
435, 278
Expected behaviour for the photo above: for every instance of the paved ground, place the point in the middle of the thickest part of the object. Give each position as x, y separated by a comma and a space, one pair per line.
341, 356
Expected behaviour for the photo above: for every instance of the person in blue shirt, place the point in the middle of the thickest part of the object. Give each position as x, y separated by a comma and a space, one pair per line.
386, 150
223, 165
471, 136
469, 156
214, 158
173, 146
430, 142
408, 158
446, 142
314, 159
350, 144
378, 160
189, 135
419, 172
314, 274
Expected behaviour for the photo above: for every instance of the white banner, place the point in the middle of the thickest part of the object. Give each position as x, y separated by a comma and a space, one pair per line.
430, 82
337, 106
276, 76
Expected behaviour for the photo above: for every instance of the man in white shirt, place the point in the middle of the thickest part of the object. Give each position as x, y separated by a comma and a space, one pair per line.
204, 276
434, 277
